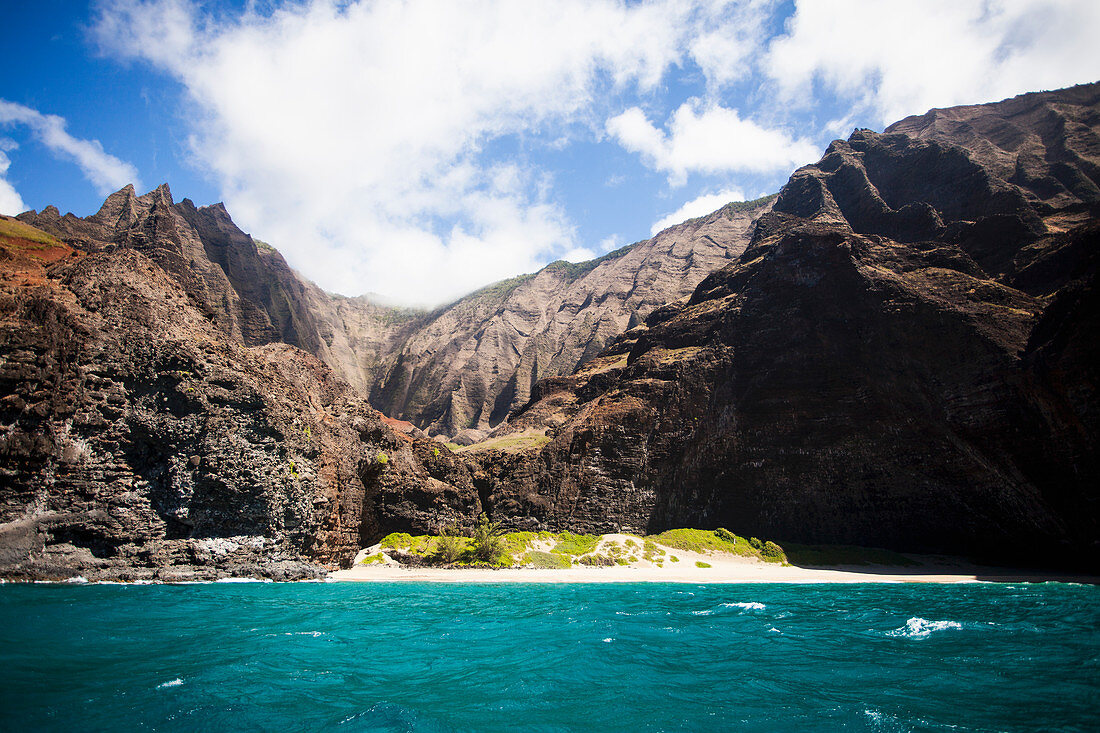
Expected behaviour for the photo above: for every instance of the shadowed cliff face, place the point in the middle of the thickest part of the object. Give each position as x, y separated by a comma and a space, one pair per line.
244, 285
470, 364
457, 371
139, 440
899, 358
899, 351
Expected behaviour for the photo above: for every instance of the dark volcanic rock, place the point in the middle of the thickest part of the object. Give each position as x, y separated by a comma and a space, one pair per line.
138, 440
462, 370
457, 371
903, 357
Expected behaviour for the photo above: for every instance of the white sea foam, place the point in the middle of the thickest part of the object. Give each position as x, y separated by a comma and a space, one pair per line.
919, 628
244, 580
79, 580
608, 640
170, 683
743, 605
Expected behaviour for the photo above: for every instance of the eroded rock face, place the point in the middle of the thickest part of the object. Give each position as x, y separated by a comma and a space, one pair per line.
900, 358
455, 372
468, 365
139, 440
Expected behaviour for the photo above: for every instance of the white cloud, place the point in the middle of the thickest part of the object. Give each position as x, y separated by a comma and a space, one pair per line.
895, 58
358, 136
731, 40
699, 206
709, 139
579, 254
351, 135
11, 203
609, 243
106, 172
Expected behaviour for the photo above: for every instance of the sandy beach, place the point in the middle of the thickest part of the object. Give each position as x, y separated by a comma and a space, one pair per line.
724, 568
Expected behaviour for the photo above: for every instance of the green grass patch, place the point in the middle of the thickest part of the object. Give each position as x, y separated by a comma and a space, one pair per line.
15, 229
772, 552
515, 543
845, 555
694, 540
576, 544
376, 559
546, 560
701, 564
421, 544
719, 540
397, 540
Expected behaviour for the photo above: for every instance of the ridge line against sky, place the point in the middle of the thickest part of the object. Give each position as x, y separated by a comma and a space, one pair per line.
420, 149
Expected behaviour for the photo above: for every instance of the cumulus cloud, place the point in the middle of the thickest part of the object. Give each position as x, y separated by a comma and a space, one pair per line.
699, 206
709, 139
895, 58
106, 172
352, 134
731, 40
359, 136
11, 203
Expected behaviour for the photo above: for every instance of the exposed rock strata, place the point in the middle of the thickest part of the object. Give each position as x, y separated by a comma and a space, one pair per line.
456, 371
470, 364
903, 354
902, 357
138, 440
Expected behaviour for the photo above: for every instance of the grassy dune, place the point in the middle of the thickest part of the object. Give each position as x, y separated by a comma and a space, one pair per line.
551, 550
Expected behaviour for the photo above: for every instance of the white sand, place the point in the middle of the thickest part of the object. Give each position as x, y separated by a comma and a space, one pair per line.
725, 568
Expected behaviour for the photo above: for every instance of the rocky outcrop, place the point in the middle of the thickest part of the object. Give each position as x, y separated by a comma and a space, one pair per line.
900, 358
899, 352
138, 439
468, 365
244, 284
456, 371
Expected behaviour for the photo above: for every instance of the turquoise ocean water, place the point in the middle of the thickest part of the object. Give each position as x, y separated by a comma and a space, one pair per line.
443, 657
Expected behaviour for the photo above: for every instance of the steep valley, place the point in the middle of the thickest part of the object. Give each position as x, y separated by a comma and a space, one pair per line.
899, 350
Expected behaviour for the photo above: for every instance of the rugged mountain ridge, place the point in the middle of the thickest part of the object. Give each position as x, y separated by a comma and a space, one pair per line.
456, 371
901, 354
900, 358
139, 440
469, 364
244, 285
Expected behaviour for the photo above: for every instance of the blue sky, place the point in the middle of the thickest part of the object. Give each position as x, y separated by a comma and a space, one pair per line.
418, 149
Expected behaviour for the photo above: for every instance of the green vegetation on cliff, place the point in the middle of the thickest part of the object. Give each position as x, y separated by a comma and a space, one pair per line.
489, 546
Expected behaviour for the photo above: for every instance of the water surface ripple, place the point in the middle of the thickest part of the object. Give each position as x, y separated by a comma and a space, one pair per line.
469, 657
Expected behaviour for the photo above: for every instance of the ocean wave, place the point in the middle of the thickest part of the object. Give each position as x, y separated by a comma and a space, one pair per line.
742, 605
244, 580
919, 628
170, 683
